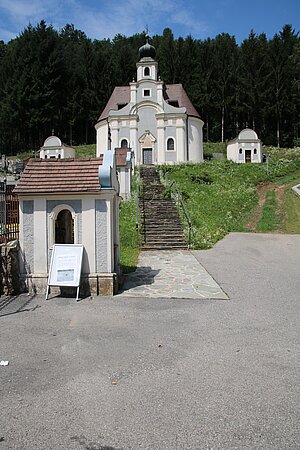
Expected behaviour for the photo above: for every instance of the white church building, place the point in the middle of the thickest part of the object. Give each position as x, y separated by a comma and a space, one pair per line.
157, 121
246, 148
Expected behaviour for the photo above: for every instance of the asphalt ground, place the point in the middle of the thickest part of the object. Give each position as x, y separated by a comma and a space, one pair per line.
161, 374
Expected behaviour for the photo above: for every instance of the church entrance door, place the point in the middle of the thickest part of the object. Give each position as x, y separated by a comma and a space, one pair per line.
147, 156
248, 156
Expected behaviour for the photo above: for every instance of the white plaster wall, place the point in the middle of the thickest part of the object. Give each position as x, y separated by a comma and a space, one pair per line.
180, 143
101, 140
88, 234
232, 152
40, 259
160, 141
122, 181
110, 235
195, 137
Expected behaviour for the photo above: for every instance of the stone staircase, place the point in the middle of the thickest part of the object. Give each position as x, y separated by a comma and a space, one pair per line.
161, 227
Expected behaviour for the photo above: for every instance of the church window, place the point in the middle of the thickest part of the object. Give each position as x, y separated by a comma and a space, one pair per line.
64, 228
124, 143
146, 92
240, 151
146, 72
255, 151
170, 144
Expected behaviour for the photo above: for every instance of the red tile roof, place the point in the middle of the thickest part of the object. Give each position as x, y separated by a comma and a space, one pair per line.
119, 96
121, 154
176, 92
173, 92
52, 176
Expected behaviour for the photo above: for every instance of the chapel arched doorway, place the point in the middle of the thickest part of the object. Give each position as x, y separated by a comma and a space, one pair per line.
64, 227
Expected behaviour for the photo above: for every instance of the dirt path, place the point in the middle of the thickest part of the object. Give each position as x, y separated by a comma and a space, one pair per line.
262, 190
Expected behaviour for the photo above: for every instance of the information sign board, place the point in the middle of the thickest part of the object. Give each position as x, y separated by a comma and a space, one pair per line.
65, 266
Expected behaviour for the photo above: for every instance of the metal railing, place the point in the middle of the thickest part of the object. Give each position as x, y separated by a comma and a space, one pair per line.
175, 193
9, 213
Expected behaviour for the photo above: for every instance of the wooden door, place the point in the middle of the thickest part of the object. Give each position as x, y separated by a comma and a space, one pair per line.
147, 156
248, 156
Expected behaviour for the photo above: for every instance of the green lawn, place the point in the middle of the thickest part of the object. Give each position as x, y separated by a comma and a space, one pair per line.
269, 220
129, 242
85, 151
220, 195
291, 216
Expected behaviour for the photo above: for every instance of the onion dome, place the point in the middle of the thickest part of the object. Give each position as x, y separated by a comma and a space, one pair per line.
147, 51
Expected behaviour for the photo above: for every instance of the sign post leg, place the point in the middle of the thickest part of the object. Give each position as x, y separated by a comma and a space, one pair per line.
47, 292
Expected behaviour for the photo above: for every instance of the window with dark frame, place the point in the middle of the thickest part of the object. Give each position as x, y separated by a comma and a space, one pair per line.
170, 144
124, 143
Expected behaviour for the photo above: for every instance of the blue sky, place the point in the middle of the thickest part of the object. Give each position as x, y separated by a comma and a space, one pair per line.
101, 19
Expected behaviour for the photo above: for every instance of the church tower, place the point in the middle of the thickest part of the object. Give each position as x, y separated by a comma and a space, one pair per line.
147, 66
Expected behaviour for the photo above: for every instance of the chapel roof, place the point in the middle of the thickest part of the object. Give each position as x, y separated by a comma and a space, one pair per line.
121, 154
147, 51
172, 92
52, 176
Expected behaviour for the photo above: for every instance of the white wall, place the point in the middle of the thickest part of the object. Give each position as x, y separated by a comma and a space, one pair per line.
195, 137
101, 140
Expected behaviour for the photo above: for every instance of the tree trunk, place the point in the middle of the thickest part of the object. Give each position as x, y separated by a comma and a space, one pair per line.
71, 134
222, 125
278, 134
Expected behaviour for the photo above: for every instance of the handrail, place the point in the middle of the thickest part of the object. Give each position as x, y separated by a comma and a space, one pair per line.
137, 207
179, 196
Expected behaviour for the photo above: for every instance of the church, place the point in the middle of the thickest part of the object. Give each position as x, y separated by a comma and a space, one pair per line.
157, 121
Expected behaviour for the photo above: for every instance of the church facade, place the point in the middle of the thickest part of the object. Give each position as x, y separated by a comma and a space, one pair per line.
157, 121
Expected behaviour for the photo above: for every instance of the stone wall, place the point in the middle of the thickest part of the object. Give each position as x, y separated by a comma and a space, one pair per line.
9, 268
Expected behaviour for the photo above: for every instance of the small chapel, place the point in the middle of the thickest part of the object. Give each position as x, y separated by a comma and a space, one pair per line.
156, 120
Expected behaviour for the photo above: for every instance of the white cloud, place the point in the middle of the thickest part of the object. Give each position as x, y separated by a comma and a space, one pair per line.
103, 18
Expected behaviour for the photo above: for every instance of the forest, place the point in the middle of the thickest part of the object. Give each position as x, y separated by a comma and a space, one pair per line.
58, 81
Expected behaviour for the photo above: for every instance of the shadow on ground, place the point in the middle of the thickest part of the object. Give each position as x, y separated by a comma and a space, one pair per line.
15, 304
142, 276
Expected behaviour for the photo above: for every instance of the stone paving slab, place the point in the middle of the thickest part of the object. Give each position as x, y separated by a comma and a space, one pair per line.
170, 274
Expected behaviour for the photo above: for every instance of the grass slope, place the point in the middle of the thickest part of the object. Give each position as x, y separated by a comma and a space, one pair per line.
220, 195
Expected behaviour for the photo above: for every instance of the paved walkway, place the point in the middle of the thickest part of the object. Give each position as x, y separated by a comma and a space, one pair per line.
170, 274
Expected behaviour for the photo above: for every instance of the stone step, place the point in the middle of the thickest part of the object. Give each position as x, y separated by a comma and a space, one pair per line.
161, 226
164, 247
164, 242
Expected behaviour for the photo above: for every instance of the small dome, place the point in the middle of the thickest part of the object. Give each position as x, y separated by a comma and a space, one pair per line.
147, 51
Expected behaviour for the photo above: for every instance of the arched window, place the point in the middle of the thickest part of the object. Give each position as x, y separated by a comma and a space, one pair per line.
124, 143
146, 72
64, 227
170, 144
255, 151
240, 151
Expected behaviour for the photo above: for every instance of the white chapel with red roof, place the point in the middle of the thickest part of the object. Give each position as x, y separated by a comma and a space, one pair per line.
156, 120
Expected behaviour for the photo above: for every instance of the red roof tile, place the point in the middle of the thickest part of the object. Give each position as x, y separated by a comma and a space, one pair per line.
50, 176
119, 96
121, 154
175, 92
